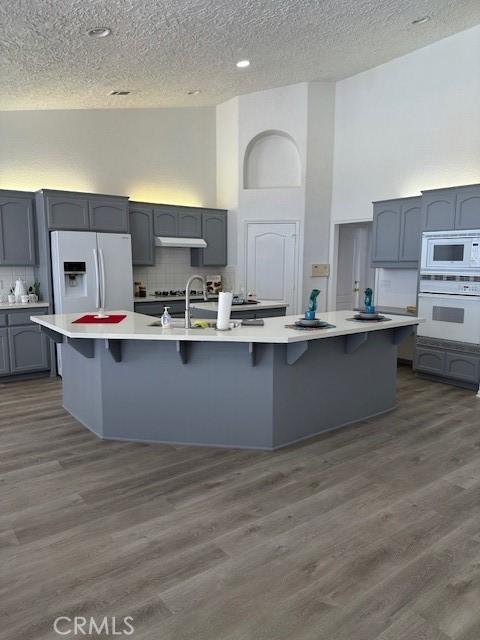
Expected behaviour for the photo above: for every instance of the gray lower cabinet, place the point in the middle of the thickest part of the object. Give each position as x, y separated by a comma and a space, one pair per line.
4, 359
108, 215
165, 221
23, 348
467, 209
461, 366
28, 349
141, 230
396, 233
17, 229
450, 362
430, 360
214, 232
438, 210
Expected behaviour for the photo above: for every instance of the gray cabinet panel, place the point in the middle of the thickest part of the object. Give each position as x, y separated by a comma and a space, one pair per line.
410, 231
165, 222
17, 231
430, 361
189, 224
4, 359
467, 213
3, 319
67, 213
28, 349
214, 231
462, 367
108, 215
141, 229
438, 210
386, 231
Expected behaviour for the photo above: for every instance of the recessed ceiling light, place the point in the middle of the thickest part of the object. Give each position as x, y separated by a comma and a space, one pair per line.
194, 92
422, 20
120, 92
243, 64
99, 32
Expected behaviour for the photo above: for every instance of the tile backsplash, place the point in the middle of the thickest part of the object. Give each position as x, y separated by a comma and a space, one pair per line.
8, 275
172, 270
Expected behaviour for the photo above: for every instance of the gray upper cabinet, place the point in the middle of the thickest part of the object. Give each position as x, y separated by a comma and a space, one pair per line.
214, 231
67, 212
410, 223
189, 223
386, 231
17, 229
438, 210
84, 211
165, 221
141, 230
467, 211
108, 215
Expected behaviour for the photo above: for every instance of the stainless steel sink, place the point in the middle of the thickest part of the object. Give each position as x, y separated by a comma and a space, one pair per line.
179, 323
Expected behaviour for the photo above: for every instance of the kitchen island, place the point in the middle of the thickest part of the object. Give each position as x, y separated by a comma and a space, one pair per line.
254, 387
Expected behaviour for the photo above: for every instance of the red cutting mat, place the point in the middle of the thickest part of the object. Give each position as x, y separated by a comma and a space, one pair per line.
91, 319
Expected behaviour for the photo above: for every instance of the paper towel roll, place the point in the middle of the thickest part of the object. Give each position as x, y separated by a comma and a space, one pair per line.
224, 308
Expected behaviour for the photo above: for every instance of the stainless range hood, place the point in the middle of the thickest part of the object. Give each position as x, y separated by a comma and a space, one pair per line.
189, 243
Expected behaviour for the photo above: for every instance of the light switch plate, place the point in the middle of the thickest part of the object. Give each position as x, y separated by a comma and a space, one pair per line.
320, 270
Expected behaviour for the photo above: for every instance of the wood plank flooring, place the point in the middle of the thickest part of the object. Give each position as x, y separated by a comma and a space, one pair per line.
368, 533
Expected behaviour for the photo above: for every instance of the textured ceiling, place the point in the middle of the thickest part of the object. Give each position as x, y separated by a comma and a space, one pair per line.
159, 49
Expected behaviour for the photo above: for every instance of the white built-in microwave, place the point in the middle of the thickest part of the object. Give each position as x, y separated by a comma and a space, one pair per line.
451, 252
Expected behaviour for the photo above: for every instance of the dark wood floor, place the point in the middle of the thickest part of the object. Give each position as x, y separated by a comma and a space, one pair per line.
369, 533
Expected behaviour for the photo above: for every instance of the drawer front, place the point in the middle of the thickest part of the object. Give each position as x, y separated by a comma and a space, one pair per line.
157, 308
3, 319
23, 317
462, 367
270, 313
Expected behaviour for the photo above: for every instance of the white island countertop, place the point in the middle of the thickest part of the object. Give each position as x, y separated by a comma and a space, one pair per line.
137, 326
260, 304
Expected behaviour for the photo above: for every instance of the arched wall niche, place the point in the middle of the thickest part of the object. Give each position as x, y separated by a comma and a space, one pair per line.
272, 160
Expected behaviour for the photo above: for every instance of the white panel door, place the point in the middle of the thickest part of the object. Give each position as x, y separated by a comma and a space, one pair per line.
272, 261
116, 274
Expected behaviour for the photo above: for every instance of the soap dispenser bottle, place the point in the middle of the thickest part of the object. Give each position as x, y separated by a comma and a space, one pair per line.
166, 318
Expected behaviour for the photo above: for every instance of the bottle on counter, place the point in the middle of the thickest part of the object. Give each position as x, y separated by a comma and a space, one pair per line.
166, 318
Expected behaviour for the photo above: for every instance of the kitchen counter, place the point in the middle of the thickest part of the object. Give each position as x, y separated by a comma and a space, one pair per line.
252, 387
160, 299
30, 305
137, 326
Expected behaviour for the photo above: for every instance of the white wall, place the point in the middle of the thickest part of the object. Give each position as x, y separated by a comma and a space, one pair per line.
410, 124
156, 155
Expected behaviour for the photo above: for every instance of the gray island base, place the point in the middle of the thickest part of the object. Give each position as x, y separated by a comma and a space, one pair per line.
260, 395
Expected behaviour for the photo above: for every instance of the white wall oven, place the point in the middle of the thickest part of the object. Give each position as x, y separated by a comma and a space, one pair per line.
451, 252
449, 317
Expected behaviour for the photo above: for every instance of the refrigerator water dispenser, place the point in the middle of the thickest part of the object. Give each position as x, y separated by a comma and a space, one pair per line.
75, 278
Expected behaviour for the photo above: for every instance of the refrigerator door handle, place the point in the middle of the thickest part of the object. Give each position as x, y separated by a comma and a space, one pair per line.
104, 287
97, 278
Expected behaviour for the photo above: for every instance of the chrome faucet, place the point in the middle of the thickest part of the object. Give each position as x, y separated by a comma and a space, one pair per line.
188, 319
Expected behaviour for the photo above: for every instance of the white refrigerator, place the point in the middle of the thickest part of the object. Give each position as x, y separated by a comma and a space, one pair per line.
91, 271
